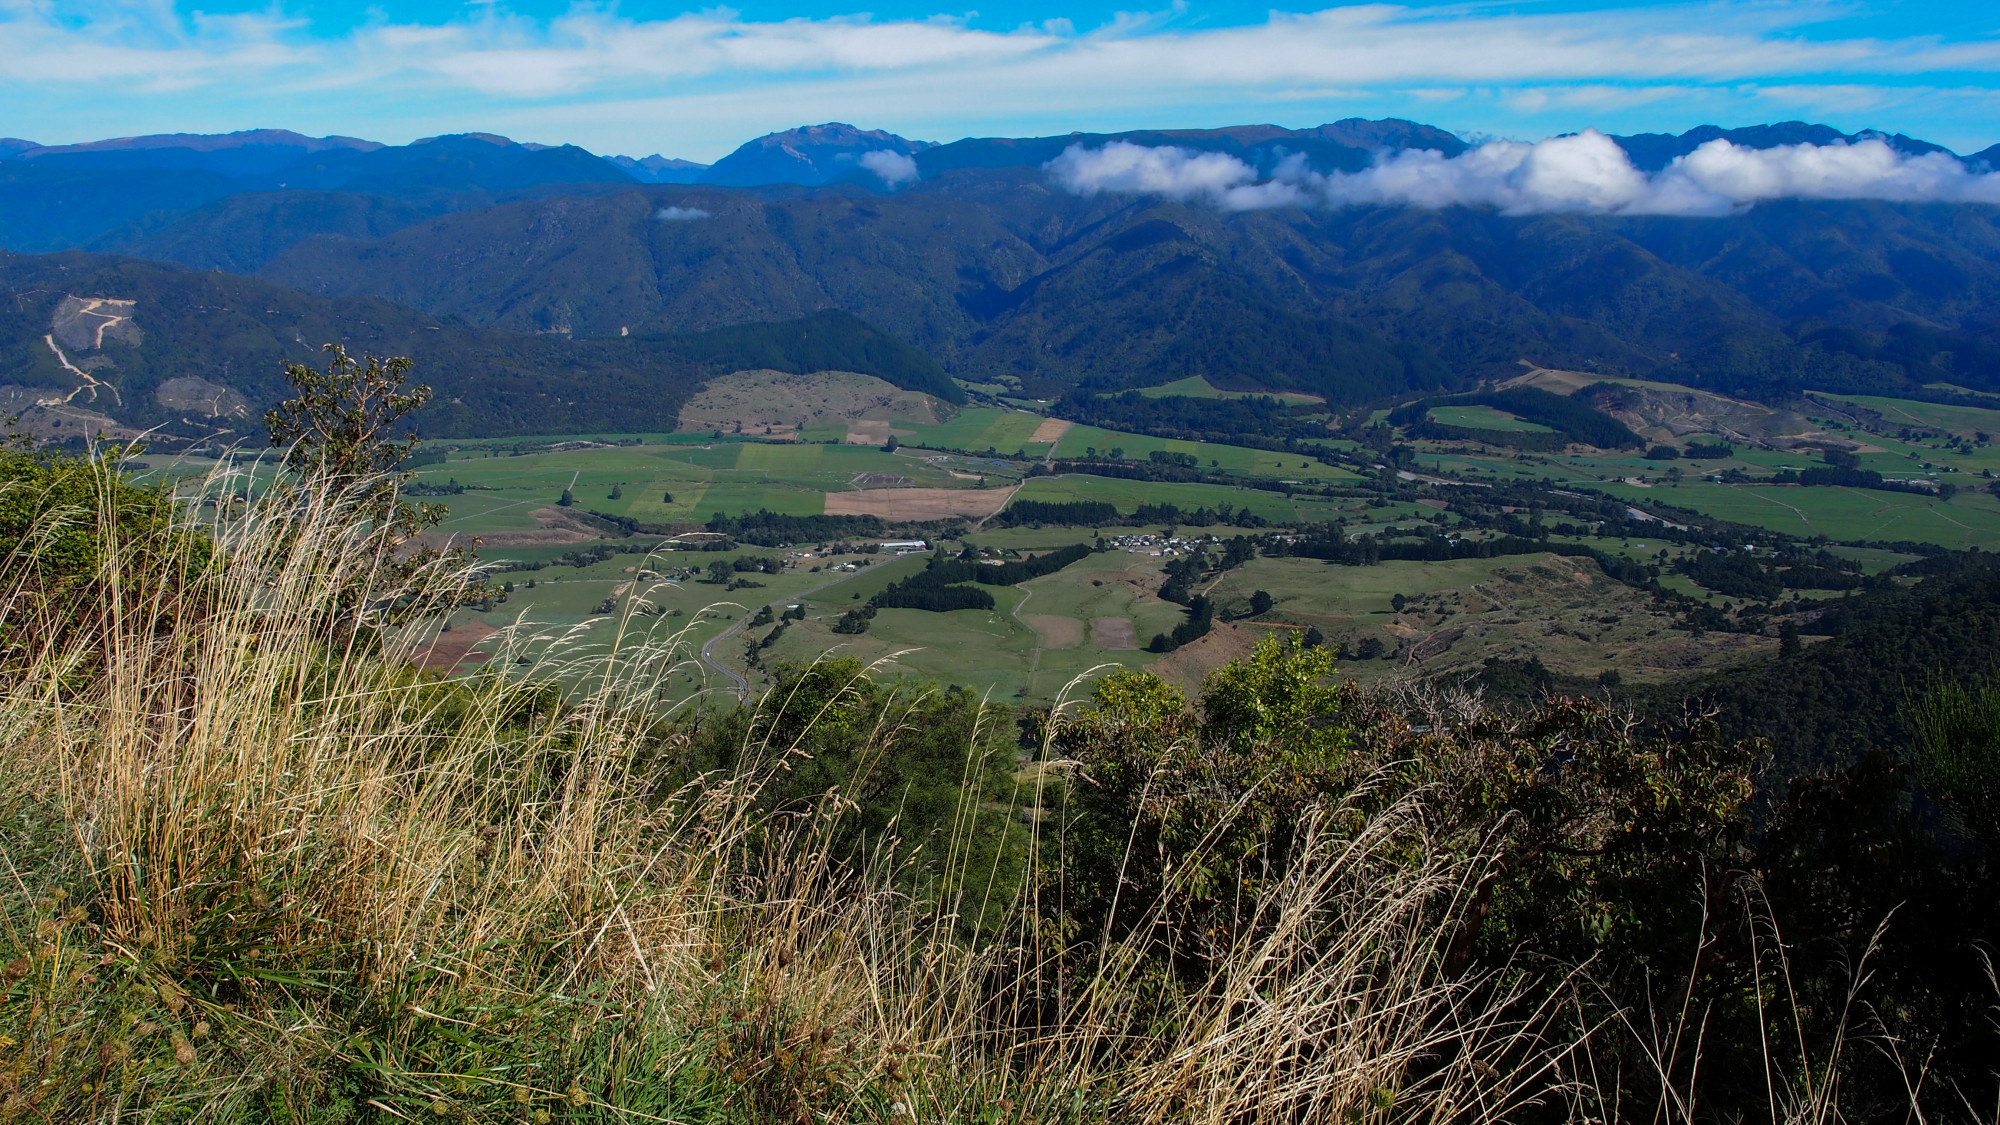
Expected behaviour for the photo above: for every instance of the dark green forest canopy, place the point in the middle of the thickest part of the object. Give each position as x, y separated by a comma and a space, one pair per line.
238, 332
980, 278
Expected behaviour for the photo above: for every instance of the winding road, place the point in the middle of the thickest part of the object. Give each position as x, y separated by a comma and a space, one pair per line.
742, 686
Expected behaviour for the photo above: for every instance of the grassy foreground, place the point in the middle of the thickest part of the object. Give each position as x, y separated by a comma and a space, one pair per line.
260, 869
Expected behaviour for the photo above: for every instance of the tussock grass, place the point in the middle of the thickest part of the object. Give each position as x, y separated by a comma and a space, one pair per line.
259, 868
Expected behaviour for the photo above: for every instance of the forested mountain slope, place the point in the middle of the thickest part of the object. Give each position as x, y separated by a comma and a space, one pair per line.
992, 266
1000, 272
150, 345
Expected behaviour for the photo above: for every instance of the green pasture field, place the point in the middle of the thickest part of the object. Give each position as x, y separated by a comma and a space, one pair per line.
1198, 386
729, 477
1963, 420
1353, 595
997, 650
557, 610
1484, 418
1873, 560
979, 428
1079, 440
1968, 520
1954, 388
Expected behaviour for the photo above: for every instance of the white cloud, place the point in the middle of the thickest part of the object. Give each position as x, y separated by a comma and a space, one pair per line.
1175, 173
680, 214
1585, 172
1868, 170
894, 168
702, 81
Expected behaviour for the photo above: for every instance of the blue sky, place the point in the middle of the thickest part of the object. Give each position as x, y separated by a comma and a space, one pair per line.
654, 76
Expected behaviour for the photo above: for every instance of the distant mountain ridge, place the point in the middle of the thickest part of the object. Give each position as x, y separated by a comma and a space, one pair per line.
97, 194
657, 169
1651, 152
1341, 145
966, 252
211, 142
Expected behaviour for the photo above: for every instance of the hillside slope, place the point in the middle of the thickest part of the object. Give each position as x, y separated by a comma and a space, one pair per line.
996, 272
196, 353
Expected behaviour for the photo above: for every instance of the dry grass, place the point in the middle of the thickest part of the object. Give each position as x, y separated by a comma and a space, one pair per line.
265, 870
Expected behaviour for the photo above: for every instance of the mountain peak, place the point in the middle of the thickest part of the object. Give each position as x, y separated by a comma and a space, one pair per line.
811, 155
494, 139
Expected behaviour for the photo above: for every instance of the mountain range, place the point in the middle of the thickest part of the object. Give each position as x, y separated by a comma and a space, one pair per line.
568, 262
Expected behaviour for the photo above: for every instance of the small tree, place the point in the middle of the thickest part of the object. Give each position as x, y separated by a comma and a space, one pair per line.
338, 427
341, 451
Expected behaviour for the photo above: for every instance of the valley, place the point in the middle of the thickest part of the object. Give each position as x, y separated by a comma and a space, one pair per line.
615, 557
1348, 625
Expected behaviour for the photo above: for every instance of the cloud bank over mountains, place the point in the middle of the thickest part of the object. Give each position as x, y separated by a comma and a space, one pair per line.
1584, 172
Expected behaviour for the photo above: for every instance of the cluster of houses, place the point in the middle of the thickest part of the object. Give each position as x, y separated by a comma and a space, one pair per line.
1158, 545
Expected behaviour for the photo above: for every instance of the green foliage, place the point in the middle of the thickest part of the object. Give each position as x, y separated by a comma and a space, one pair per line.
770, 529
339, 453
911, 762
855, 621
1598, 835
1074, 513
63, 521
1824, 708
939, 586
1957, 734
335, 427
58, 514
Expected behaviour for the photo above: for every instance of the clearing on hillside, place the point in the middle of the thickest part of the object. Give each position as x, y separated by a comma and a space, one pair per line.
1668, 413
753, 402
